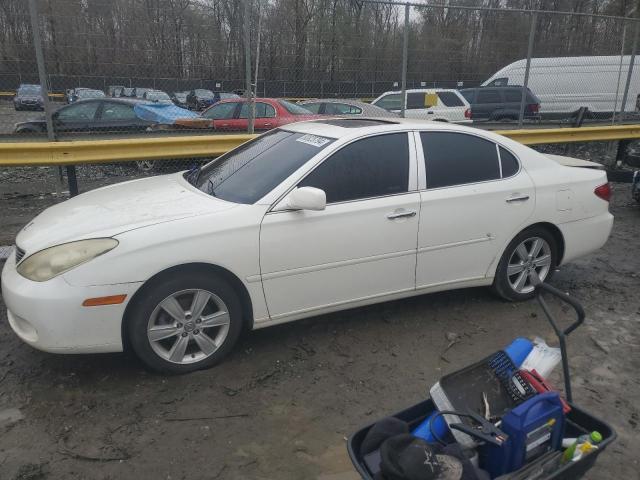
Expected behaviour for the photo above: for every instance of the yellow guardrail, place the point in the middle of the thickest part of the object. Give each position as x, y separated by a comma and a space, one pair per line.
12, 94
158, 148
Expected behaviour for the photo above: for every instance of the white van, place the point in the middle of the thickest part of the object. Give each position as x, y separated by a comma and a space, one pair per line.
564, 84
437, 104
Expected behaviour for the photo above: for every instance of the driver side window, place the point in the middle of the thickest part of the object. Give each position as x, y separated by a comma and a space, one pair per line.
368, 168
82, 111
221, 111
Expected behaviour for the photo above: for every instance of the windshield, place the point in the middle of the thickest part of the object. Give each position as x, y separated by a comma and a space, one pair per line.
294, 109
29, 90
252, 170
89, 93
204, 93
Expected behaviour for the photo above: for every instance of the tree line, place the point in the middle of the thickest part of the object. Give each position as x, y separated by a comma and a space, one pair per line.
305, 42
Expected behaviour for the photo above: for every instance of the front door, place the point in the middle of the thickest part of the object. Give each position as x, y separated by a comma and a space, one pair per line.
361, 247
476, 200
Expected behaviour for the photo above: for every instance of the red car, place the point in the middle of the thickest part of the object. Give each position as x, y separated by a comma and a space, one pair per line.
232, 114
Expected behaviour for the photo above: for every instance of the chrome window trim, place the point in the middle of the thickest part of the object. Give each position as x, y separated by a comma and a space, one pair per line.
412, 163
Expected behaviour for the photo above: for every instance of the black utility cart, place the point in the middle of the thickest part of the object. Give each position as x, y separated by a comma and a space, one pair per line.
577, 421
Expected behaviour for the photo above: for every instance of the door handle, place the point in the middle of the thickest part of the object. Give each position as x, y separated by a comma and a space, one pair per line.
267, 124
429, 113
517, 198
401, 214
224, 125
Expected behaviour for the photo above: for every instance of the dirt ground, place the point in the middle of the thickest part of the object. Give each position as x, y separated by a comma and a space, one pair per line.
282, 405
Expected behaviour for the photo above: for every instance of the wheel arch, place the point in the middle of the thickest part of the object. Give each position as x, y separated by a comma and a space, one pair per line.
185, 269
557, 236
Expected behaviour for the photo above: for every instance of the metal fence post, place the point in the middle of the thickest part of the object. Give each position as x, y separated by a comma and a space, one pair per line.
629, 72
247, 64
42, 75
525, 84
405, 55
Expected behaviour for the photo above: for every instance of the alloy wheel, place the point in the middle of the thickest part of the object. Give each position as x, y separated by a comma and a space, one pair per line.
531, 258
188, 326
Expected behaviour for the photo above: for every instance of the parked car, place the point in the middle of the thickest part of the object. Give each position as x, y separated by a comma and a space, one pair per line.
199, 99
437, 104
306, 219
564, 84
28, 97
127, 92
270, 113
115, 90
501, 103
180, 99
138, 92
157, 96
635, 186
84, 94
115, 115
342, 107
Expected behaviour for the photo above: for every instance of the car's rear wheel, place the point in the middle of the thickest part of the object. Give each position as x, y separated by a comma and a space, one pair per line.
532, 253
184, 324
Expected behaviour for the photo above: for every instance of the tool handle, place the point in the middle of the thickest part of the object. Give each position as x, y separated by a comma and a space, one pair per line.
566, 298
561, 334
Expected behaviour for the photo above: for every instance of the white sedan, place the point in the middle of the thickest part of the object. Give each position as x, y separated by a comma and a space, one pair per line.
307, 219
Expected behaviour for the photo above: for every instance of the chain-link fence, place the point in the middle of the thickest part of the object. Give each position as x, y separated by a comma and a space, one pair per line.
126, 68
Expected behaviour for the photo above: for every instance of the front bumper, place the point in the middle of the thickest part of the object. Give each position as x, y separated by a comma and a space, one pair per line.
49, 315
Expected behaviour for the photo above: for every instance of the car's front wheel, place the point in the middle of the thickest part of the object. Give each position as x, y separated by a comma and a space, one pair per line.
532, 253
185, 323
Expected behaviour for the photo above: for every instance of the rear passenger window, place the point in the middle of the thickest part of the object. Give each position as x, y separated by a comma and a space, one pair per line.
415, 100
509, 163
488, 96
450, 99
457, 159
371, 167
512, 96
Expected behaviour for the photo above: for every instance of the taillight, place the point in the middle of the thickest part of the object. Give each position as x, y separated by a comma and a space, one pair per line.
534, 107
467, 113
604, 192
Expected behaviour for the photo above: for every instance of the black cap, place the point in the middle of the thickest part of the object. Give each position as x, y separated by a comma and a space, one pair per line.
385, 428
405, 457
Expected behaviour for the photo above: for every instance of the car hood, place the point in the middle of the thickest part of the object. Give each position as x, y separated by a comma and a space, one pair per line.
115, 209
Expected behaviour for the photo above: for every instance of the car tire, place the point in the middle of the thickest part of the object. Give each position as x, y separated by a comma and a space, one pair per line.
169, 338
517, 265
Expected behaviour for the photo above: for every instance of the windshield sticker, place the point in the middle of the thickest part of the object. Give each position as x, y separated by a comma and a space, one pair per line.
313, 140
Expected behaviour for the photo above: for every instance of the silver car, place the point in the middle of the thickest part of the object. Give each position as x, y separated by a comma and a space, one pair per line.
343, 107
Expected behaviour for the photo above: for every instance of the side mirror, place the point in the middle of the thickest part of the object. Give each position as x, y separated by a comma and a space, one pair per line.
304, 198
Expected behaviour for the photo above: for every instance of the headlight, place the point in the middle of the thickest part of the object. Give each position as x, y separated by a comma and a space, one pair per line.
51, 262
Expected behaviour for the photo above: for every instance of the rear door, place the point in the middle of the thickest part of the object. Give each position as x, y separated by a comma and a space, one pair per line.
265, 116
474, 201
115, 116
488, 100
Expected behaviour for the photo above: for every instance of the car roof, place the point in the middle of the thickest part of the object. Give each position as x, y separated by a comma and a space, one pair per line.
346, 101
339, 127
423, 90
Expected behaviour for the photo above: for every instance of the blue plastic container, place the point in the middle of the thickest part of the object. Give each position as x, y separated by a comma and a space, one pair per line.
518, 350
430, 425
534, 427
